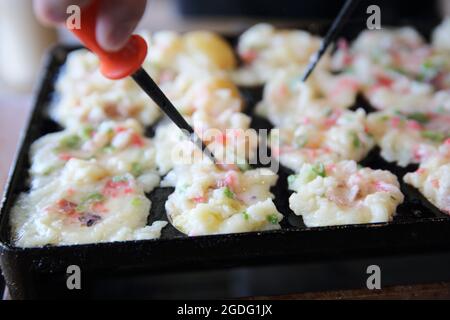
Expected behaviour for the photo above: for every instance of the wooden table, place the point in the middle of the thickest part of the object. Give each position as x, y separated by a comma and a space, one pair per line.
437, 291
14, 110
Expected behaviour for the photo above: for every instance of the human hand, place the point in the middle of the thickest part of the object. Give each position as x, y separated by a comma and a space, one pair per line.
115, 23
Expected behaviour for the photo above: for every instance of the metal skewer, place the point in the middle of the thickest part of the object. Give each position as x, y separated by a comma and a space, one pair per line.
128, 62
147, 84
336, 27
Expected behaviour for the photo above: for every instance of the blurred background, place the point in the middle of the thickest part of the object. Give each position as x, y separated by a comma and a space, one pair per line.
23, 41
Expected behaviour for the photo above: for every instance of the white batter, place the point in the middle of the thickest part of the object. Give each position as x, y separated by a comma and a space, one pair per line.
433, 178
343, 194
389, 90
334, 136
265, 50
440, 37
85, 96
84, 204
396, 67
208, 200
212, 106
192, 51
286, 98
407, 138
232, 147
118, 146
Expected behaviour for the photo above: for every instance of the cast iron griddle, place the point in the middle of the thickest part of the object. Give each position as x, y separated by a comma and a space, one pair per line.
41, 272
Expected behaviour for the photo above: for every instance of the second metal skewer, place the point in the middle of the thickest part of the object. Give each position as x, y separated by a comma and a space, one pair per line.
335, 29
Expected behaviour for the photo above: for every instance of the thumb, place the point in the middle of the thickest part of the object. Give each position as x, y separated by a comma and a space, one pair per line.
116, 21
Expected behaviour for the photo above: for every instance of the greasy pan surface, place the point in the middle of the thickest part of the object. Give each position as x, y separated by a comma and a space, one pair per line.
418, 226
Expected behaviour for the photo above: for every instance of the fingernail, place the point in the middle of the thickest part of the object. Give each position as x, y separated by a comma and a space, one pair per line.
118, 36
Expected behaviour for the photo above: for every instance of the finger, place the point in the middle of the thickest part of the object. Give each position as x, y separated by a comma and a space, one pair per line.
54, 11
116, 21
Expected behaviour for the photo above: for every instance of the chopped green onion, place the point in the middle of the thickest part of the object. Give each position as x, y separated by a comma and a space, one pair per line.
384, 118
319, 170
95, 197
92, 198
243, 166
86, 133
420, 117
355, 140
428, 64
273, 218
136, 169
428, 71
69, 142
246, 216
48, 171
434, 136
108, 149
228, 193
398, 70
440, 109
136, 202
119, 179
349, 70
291, 180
